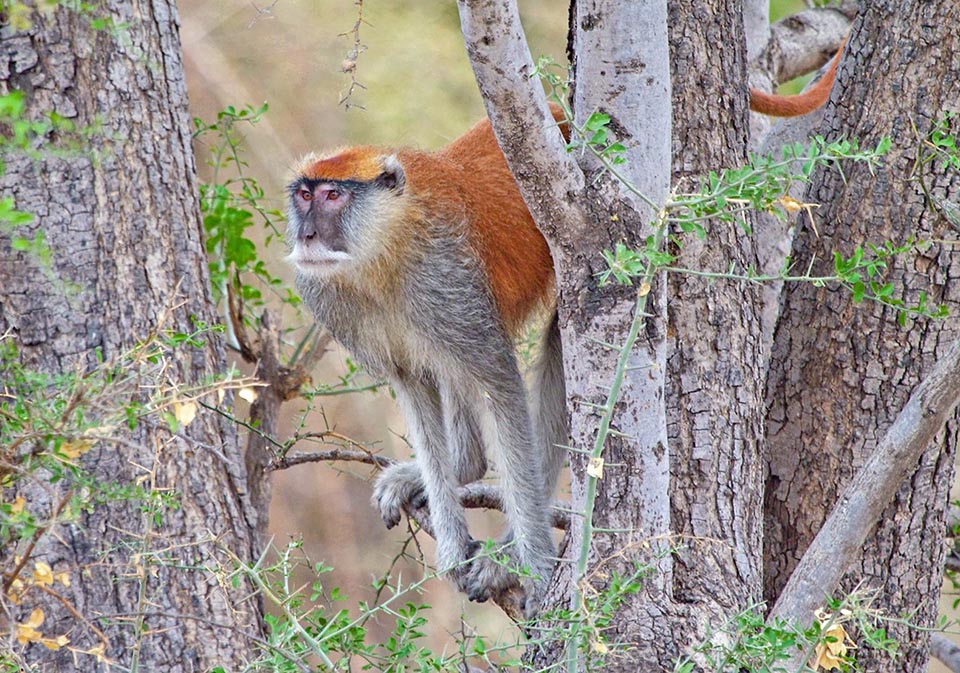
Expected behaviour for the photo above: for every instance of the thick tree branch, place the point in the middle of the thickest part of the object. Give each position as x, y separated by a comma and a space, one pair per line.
839, 541
548, 177
802, 43
945, 651
756, 26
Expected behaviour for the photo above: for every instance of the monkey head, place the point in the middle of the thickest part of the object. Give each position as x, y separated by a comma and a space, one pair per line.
341, 209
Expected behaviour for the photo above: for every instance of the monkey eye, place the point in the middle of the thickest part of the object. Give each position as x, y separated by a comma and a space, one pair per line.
333, 195
305, 194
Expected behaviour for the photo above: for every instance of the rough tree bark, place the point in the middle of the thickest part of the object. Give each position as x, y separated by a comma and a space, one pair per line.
125, 234
840, 372
714, 387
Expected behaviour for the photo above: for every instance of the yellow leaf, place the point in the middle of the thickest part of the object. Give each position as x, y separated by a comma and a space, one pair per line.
18, 505
826, 660
98, 652
600, 647
247, 394
832, 647
790, 204
27, 632
42, 573
36, 618
54, 643
595, 468
644, 290
75, 448
15, 591
63, 578
185, 412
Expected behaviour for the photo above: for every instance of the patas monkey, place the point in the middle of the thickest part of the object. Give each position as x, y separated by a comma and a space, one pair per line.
426, 265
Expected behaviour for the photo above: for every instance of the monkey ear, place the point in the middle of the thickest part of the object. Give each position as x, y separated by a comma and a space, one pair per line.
392, 177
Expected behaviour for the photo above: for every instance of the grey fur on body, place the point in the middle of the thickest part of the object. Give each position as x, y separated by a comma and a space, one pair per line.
433, 332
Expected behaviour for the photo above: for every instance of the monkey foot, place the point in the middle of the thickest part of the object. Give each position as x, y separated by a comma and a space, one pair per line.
399, 486
498, 576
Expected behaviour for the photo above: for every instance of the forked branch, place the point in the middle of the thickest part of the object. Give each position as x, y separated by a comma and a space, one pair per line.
852, 519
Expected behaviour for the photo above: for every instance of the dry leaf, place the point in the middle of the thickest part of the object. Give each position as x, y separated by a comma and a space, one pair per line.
27, 632
830, 653
18, 504
595, 467
42, 573
15, 591
790, 204
185, 412
247, 394
98, 652
54, 643
75, 448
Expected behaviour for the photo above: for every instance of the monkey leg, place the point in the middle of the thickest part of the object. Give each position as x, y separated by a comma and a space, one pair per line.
464, 440
505, 423
401, 486
548, 396
434, 473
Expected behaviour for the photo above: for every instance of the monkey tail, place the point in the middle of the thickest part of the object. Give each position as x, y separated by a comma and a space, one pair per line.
549, 404
775, 105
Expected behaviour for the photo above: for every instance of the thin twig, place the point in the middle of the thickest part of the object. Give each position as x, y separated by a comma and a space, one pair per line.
76, 614
37, 534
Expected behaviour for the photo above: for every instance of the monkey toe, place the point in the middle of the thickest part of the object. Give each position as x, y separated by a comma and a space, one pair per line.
418, 500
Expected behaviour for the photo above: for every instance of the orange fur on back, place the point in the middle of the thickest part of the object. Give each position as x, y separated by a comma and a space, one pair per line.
813, 98
511, 248
469, 179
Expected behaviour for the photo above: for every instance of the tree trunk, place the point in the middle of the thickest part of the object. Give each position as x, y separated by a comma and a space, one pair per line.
127, 259
840, 372
714, 386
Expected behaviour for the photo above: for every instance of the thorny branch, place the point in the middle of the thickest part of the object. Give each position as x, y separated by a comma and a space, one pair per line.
349, 64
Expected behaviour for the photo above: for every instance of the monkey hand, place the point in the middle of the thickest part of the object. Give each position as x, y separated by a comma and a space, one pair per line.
398, 487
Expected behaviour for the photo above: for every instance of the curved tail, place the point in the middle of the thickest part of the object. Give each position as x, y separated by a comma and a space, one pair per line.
775, 105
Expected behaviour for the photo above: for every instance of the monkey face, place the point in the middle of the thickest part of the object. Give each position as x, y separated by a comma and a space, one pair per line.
337, 224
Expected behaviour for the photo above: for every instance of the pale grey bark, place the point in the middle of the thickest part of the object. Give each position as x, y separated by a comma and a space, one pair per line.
946, 651
627, 77
125, 235
622, 68
756, 26
548, 177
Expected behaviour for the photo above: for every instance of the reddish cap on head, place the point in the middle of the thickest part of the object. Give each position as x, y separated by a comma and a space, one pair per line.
361, 164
